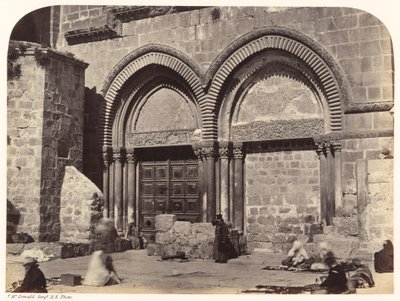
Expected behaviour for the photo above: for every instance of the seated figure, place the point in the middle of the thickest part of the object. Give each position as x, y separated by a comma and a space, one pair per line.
336, 282
296, 255
383, 260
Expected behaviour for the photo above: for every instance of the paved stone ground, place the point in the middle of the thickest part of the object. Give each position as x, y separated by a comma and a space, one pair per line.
145, 274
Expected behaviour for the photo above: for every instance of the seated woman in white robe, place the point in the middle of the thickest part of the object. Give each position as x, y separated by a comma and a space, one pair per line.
97, 273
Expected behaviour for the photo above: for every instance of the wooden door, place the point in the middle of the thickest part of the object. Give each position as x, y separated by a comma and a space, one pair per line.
168, 187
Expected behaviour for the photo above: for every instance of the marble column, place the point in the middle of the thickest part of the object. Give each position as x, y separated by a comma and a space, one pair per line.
337, 147
131, 189
238, 187
202, 188
106, 171
224, 178
330, 204
323, 166
118, 192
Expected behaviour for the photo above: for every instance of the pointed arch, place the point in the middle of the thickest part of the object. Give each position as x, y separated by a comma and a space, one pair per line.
331, 79
134, 62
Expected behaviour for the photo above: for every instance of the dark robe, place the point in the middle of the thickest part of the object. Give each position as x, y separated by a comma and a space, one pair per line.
34, 282
221, 242
336, 282
383, 260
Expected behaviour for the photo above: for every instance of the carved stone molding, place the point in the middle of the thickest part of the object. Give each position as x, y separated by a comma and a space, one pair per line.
90, 35
354, 135
131, 156
131, 13
336, 145
172, 137
107, 155
224, 150
209, 149
279, 129
119, 155
237, 150
368, 107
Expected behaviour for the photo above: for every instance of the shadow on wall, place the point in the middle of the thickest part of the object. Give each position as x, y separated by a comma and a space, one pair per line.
13, 219
92, 159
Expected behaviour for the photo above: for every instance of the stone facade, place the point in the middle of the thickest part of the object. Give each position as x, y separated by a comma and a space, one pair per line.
278, 104
45, 125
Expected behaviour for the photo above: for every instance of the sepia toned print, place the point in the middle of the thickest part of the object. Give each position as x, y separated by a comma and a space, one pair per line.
190, 149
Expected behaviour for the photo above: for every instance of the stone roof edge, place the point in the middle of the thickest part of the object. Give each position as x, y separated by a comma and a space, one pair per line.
64, 56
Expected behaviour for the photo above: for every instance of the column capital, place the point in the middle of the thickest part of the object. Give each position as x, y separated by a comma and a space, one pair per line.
130, 155
336, 144
119, 154
209, 149
224, 149
107, 154
237, 149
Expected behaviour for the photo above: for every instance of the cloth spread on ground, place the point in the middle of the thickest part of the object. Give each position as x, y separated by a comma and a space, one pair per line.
291, 290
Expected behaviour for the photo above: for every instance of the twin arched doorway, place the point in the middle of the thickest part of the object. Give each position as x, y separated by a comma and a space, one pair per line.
251, 138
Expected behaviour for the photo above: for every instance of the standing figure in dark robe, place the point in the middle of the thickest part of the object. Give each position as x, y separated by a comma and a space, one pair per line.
383, 260
221, 240
34, 280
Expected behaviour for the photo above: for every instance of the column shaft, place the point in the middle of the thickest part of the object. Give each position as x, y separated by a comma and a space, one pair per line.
238, 197
118, 207
131, 191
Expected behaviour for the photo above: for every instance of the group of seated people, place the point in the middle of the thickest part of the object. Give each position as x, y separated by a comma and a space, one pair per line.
337, 282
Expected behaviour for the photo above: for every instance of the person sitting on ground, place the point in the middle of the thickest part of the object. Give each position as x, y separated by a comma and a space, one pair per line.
383, 260
362, 276
336, 282
320, 257
114, 279
296, 255
133, 235
98, 274
34, 280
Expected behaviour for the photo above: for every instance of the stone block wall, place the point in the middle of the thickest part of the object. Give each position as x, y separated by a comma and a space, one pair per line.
24, 146
357, 40
356, 149
45, 119
196, 240
81, 16
282, 196
62, 136
378, 217
80, 208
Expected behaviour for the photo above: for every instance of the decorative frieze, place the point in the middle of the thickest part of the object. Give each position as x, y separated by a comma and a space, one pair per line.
278, 129
172, 137
368, 107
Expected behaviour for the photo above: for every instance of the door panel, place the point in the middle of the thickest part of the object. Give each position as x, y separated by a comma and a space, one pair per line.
168, 187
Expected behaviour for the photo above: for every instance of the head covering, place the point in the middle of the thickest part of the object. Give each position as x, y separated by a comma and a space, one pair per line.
29, 261
97, 273
297, 245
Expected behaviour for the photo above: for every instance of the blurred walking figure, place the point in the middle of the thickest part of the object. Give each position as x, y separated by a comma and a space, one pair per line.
34, 280
383, 260
100, 271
